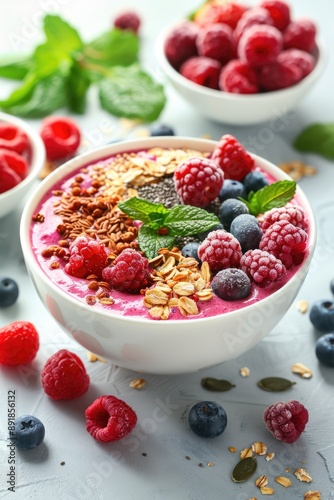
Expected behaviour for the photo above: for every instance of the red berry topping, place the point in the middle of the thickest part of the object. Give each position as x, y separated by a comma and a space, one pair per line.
181, 43
238, 77
300, 58
286, 421
262, 266
232, 158
279, 11
87, 256
16, 162
278, 75
291, 213
8, 178
109, 419
64, 376
285, 241
255, 15
226, 12
260, 44
220, 250
300, 35
216, 41
198, 181
19, 343
202, 70
61, 137
130, 272
128, 20
13, 138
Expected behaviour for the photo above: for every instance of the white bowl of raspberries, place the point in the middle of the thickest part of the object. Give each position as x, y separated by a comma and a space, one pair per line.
242, 65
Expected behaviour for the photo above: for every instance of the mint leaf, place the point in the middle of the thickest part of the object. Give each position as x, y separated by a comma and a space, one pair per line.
141, 209
61, 35
78, 83
150, 241
317, 138
16, 68
275, 195
113, 48
132, 93
185, 220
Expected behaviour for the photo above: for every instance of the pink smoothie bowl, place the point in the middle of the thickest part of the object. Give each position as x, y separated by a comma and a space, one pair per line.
150, 345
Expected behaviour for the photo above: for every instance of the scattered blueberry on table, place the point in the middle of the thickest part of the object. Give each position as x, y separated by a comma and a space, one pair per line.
9, 291
29, 432
207, 419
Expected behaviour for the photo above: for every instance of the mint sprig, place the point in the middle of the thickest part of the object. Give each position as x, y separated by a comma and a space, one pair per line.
162, 226
316, 138
274, 195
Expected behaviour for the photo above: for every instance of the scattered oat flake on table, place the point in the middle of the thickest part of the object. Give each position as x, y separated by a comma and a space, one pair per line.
302, 370
245, 453
261, 481
302, 306
232, 449
266, 490
284, 481
137, 383
303, 476
297, 169
259, 448
244, 371
270, 456
94, 357
312, 495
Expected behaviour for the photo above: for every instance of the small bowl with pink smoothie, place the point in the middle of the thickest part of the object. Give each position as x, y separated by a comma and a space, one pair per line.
125, 328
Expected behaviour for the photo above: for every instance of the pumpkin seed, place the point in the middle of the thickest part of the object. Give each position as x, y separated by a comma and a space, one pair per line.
214, 384
275, 384
244, 469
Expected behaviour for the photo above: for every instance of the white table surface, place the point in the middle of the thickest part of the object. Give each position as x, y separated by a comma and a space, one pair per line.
120, 470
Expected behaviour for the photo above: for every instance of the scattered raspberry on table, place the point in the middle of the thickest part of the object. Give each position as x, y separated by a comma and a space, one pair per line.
286, 421
19, 343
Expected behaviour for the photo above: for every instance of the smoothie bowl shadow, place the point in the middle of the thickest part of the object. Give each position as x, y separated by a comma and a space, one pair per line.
139, 342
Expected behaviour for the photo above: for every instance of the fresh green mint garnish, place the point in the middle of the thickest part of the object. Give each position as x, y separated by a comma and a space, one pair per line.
60, 71
162, 226
317, 138
275, 195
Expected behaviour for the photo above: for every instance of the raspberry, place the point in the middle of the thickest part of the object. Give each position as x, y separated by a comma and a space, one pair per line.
8, 178
238, 77
279, 12
216, 41
255, 15
87, 256
64, 376
262, 266
278, 75
220, 250
19, 343
61, 137
180, 44
211, 13
285, 241
300, 58
232, 158
130, 272
109, 419
286, 421
260, 44
198, 181
291, 213
202, 70
15, 162
13, 138
300, 35
128, 20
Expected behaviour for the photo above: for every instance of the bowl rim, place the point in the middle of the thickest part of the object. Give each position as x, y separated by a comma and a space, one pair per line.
38, 153
239, 98
136, 144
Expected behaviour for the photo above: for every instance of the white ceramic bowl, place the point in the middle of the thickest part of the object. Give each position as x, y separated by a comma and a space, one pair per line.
237, 109
13, 197
165, 346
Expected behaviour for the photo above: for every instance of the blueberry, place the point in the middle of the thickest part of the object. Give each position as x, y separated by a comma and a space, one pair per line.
29, 432
246, 229
204, 234
190, 250
160, 129
229, 210
322, 315
231, 284
207, 419
331, 286
324, 349
9, 291
232, 189
254, 181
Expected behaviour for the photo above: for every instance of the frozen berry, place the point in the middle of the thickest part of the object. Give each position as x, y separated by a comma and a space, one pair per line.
278, 75
220, 250
230, 209
254, 15
322, 315
15, 162
285, 241
198, 181
204, 234
160, 129
292, 213
87, 256
180, 43
279, 12
19, 343
254, 181
9, 291
216, 41
202, 70
220, 12
324, 349
232, 158
61, 136
191, 250
29, 432
109, 419
300, 58
231, 284
64, 376
261, 266
130, 272
232, 189
128, 20
301, 35
260, 44
13, 138
286, 421
246, 229
238, 77
207, 419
